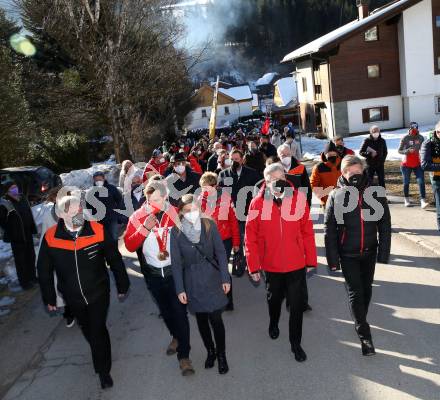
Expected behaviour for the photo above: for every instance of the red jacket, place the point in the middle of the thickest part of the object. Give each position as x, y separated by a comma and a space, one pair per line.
153, 166
195, 166
136, 233
224, 216
277, 243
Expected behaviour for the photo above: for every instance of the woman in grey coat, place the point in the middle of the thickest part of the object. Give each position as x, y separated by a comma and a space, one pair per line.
200, 271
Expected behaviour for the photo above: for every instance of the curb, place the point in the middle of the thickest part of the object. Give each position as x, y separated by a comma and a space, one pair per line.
426, 244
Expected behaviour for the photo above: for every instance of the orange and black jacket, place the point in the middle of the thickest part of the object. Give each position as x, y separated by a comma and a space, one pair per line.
302, 180
325, 175
80, 264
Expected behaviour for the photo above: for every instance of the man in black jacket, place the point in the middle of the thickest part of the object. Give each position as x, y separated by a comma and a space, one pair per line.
77, 251
182, 180
108, 199
357, 233
374, 149
430, 160
212, 161
266, 147
239, 180
18, 224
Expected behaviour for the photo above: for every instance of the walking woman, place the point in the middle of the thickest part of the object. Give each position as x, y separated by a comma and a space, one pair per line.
409, 147
200, 271
148, 233
218, 205
355, 237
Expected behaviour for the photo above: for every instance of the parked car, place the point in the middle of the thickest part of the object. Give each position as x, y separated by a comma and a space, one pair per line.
33, 182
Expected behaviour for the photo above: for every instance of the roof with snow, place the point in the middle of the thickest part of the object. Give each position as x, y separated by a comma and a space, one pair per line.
285, 91
239, 93
266, 79
331, 39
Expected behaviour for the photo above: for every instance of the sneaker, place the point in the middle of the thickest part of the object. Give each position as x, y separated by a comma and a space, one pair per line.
70, 321
367, 347
423, 204
172, 347
407, 202
274, 332
186, 367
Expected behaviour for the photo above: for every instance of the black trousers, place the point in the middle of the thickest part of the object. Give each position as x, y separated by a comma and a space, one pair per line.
291, 286
206, 321
92, 319
379, 171
359, 275
228, 247
172, 310
24, 257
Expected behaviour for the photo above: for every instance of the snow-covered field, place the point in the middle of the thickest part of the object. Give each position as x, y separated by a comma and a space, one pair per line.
313, 147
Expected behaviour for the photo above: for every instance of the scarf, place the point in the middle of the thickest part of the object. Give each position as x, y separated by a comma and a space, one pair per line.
192, 231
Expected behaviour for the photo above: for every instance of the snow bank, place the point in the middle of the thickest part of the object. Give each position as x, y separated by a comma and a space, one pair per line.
313, 147
5, 251
83, 178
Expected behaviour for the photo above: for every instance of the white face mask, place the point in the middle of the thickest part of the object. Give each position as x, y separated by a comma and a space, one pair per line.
286, 161
99, 183
180, 169
162, 160
228, 162
192, 216
375, 135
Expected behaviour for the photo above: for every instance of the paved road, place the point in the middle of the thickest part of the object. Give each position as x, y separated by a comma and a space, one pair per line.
405, 315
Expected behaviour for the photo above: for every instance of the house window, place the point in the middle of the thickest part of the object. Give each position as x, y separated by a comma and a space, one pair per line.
437, 105
373, 71
372, 35
204, 114
375, 114
227, 111
437, 21
304, 83
318, 89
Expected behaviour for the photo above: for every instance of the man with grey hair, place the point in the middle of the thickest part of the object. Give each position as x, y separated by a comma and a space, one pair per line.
374, 150
430, 157
78, 250
357, 232
280, 241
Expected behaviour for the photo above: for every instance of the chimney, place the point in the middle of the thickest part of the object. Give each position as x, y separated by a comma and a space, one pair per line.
362, 6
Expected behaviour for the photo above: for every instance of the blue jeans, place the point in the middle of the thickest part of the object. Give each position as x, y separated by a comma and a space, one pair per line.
420, 176
436, 191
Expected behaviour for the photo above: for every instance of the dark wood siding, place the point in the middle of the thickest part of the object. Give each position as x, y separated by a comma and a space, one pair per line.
436, 34
348, 68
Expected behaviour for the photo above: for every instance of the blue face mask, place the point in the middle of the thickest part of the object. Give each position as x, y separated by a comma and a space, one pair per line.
14, 191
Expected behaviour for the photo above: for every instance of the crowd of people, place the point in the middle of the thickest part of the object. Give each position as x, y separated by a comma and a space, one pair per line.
198, 205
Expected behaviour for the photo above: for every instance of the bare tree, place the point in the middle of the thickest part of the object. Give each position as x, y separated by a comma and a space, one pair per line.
128, 52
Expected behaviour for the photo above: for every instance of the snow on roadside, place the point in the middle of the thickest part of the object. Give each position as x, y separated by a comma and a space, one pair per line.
83, 178
313, 147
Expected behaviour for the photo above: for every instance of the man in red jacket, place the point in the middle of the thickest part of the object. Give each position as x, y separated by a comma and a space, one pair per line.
157, 165
280, 241
148, 234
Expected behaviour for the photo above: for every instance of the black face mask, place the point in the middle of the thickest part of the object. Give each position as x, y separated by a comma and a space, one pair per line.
355, 180
235, 165
280, 185
332, 159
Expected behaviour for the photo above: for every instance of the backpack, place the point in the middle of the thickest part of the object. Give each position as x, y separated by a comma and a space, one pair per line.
9, 208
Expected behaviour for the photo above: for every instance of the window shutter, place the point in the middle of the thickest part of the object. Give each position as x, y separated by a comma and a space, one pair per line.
365, 116
385, 114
